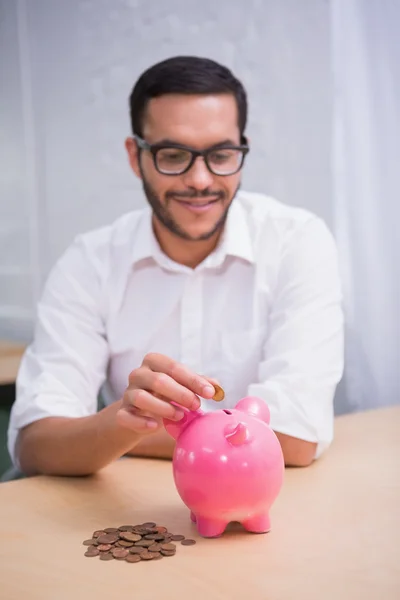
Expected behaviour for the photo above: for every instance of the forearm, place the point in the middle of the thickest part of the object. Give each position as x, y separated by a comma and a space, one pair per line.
158, 445
296, 452
74, 446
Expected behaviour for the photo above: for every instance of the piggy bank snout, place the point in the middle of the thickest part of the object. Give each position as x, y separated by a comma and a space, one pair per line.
237, 434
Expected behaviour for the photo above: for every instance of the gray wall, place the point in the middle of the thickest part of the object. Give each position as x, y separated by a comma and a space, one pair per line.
66, 70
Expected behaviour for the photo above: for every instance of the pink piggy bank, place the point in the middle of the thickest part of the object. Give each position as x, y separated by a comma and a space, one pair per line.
228, 466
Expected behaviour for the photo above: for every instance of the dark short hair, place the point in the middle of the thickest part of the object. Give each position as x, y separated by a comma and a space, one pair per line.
185, 75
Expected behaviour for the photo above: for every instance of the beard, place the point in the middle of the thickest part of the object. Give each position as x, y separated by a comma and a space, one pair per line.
163, 215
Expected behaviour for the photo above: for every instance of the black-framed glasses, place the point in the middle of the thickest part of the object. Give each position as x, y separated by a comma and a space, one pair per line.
174, 159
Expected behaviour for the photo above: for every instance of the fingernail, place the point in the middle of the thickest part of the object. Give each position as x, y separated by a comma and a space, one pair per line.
196, 403
208, 391
151, 424
179, 414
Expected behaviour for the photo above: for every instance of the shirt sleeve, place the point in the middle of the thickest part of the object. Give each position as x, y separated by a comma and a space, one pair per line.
62, 370
304, 352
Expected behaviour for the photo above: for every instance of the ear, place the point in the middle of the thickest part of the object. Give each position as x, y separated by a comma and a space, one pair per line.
133, 155
254, 406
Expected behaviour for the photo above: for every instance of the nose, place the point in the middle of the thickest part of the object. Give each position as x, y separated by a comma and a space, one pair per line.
198, 176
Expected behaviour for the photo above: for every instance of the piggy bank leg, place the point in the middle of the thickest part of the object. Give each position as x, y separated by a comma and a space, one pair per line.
258, 523
193, 517
210, 527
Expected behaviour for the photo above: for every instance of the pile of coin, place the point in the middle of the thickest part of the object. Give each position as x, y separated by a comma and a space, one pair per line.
134, 543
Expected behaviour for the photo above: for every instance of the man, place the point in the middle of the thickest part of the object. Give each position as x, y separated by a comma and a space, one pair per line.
207, 284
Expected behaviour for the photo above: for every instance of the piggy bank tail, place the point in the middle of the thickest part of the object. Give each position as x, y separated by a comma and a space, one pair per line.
175, 428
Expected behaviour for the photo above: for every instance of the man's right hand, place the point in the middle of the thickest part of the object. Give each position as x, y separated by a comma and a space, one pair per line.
153, 387
83, 445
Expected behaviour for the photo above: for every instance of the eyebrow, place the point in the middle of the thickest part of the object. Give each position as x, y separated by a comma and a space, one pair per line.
169, 142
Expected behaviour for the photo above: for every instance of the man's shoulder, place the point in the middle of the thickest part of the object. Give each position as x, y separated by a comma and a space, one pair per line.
262, 209
118, 232
102, 248
275, 226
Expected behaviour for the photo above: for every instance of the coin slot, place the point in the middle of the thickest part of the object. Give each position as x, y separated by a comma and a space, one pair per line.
228, 412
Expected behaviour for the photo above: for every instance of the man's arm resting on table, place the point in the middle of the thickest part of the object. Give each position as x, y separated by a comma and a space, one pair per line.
296, 452
74, 446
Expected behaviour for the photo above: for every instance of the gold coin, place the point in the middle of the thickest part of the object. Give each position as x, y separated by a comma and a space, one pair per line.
219, 393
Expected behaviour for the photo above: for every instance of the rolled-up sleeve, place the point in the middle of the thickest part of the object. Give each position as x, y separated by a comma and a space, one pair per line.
304, 351
62, 370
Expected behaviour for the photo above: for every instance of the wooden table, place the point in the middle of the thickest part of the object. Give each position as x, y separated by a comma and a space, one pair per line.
335, 530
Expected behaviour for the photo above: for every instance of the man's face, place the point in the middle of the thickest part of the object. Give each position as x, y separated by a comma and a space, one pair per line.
193, 205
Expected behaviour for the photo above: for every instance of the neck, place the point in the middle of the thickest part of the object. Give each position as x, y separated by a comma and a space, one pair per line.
184, 252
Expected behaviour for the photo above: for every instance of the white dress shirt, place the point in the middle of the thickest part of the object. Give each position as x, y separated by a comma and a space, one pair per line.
262, 314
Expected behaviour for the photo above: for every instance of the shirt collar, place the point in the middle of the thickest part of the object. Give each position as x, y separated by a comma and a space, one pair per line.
235, 240
145, 243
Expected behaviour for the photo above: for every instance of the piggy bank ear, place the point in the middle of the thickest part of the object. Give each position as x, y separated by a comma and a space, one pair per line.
175, 428
254, 406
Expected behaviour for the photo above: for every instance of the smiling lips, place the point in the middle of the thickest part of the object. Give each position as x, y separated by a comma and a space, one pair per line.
197, 207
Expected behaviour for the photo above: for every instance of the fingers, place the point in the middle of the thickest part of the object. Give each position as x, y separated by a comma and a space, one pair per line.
147, 403
212, 381
157, 390
180, 374
137, 422
161, 385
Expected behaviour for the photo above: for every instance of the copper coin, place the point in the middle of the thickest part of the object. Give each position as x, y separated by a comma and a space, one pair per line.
143, 532
149, 525
177, 538
108, 538
120, 552
97, 533
106, 556
92, 551
155, 548
124, 544
133, 558
188, 542
111, 530
104, 547
160, 529
152, 536
125, 528
89, 542
219, 393
157, 555
136, 550
168, 552
144, 543
130, 537
146, 555
168, 547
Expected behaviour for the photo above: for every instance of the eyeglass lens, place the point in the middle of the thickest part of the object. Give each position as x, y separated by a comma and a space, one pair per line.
221, 161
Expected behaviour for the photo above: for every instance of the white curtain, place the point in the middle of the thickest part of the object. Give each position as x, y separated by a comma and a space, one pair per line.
366, 169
